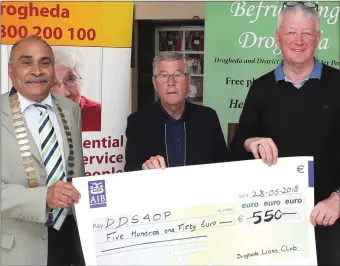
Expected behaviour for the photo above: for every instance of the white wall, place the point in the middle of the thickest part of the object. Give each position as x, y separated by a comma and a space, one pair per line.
169, 10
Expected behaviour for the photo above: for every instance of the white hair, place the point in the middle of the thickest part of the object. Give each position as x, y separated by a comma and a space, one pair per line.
301, 12
67, 57
169, 56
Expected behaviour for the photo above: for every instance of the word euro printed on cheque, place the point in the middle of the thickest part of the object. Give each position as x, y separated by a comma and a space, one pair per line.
237, 213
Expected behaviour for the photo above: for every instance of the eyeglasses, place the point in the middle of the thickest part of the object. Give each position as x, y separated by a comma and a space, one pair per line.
164, 77
70, 82
305, 4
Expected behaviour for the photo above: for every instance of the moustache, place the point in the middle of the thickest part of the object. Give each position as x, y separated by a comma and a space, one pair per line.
34, 79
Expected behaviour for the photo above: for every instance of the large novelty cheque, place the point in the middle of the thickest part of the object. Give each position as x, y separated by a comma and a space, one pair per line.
237, 213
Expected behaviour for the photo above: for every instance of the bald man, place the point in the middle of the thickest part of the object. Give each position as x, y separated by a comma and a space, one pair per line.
40, 154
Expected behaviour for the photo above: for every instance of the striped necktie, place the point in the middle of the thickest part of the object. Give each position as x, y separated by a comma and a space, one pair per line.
52, 158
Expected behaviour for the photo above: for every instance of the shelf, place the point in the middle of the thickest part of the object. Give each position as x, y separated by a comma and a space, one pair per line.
184, 52
192, 52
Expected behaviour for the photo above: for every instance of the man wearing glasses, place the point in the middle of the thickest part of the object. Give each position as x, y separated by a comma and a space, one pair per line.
67, 83
294, 111
173, 132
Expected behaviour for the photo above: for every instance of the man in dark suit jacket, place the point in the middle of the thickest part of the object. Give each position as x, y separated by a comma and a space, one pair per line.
173, 132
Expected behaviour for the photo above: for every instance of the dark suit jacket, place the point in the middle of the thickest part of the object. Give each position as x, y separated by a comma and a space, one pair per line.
145, 135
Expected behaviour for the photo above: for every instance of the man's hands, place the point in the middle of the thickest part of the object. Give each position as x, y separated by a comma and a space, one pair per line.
156, 162
61, 195
263, 148
326, 212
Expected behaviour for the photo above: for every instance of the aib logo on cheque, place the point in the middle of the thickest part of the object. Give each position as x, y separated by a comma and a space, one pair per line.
97, 194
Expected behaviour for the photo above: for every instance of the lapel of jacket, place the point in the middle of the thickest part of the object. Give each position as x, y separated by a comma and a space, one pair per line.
157, 130
192, 133
7, 121
68, 117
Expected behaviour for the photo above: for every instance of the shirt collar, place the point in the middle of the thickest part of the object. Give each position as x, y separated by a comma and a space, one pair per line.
316, 73
170, 117
25, 103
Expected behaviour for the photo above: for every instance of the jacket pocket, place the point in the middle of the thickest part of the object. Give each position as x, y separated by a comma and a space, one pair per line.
7, 241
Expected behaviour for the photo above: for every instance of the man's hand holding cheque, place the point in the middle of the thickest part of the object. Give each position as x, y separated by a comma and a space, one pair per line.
155, 162
326, 212
262, 148
61, 195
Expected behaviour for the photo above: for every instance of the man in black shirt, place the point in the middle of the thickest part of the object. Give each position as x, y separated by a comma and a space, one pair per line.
173, 132
294, 111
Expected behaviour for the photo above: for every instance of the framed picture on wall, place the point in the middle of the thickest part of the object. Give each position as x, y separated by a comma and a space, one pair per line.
194, 41
195, 64
170, 41
195, 93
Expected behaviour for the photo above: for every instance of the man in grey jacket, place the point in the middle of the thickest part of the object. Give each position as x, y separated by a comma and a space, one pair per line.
41, 152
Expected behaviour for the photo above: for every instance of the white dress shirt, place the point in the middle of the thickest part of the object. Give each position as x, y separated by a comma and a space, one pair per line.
32, 114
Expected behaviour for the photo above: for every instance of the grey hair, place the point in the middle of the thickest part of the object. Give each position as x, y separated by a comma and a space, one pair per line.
168, 56
67, 57
301, 12
30, 37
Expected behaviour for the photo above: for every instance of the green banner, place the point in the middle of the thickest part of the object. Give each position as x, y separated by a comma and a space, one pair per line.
241, 47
